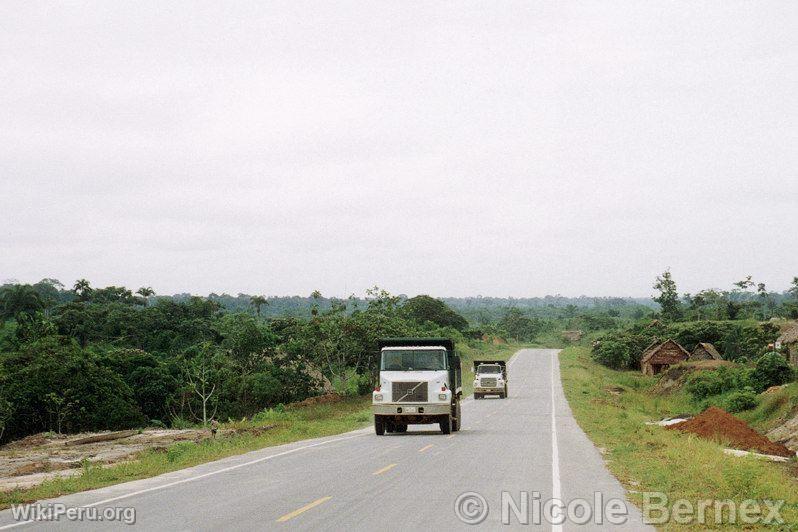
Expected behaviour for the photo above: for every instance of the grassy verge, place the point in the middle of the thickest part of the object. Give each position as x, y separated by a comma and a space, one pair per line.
289, 425
612, 408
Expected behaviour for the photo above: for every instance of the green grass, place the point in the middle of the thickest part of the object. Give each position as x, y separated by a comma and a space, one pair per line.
652, 459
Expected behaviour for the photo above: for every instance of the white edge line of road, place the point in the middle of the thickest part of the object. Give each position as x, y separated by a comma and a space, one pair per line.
191, 479
555, 451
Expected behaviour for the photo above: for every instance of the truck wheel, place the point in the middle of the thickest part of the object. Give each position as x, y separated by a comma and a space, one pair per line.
379, 425
477, 396
458, 420
390, 426
505, 392
446, 424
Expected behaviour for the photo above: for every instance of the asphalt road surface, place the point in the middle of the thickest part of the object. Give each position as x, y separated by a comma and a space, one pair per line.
527, 444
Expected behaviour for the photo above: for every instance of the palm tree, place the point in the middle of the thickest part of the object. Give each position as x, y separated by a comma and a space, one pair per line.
145, 292
258, 302
82, 288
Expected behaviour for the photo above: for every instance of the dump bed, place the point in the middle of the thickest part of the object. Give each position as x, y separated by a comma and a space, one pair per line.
447, 343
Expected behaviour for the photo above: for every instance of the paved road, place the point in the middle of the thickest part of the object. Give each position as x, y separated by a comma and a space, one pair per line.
359, 481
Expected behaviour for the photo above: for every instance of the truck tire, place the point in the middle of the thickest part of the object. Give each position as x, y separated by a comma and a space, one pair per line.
458, 420
477, 396
379, 425
446, 424
505, 392
400, 427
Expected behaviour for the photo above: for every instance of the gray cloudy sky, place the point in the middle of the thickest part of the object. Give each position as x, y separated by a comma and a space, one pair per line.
451, 148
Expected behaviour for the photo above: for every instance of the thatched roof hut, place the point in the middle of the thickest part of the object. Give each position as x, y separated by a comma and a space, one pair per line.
659, 357
789, 339
705, 351
789, 336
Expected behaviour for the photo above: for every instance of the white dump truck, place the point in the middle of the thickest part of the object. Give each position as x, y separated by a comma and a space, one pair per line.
420, 383
490, 378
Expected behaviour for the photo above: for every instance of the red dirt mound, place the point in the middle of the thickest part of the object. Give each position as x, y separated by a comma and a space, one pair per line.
717, 424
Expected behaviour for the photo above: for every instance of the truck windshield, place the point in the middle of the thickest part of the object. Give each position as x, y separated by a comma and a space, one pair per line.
413, 360
489, 369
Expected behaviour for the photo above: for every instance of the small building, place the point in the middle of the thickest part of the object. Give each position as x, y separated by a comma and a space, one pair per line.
659, 357
705, 351
789, 341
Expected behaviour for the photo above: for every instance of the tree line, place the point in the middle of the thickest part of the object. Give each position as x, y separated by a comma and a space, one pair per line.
85, 358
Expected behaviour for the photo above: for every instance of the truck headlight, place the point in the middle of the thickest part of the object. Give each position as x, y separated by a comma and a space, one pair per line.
378, 397
442, 396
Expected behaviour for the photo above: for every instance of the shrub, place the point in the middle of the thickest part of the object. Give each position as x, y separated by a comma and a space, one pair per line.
704, 384
741, 400
353, 385
771, 369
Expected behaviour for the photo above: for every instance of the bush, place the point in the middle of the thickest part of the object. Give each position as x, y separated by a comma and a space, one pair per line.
353, 385
741, 400
771, 369
704, 384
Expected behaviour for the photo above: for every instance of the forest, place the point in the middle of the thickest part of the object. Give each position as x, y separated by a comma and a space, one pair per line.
82, 358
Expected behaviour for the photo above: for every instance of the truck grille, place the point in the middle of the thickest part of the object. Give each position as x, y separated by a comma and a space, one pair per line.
409, 392
489, 382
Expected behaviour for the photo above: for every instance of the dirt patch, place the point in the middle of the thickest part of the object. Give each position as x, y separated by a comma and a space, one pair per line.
32, 460
717, 424
318, 400
252, 431
673, 378
495, 340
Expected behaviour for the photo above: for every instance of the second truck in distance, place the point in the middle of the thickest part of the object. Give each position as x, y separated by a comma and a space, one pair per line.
490, 378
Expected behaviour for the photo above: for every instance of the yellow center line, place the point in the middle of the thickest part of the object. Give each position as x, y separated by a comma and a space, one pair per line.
384, 469
305, 508
430, 446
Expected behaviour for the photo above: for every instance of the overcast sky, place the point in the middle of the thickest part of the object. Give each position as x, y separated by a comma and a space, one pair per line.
451, 148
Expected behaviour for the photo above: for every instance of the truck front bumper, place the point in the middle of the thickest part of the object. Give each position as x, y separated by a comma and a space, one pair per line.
411, 409
481, 389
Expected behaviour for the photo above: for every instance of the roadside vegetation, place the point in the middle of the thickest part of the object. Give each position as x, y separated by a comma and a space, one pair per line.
745, 372
612, 407
741, 324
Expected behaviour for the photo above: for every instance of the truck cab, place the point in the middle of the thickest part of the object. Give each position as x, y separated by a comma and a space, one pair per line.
420, 383
490, 378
